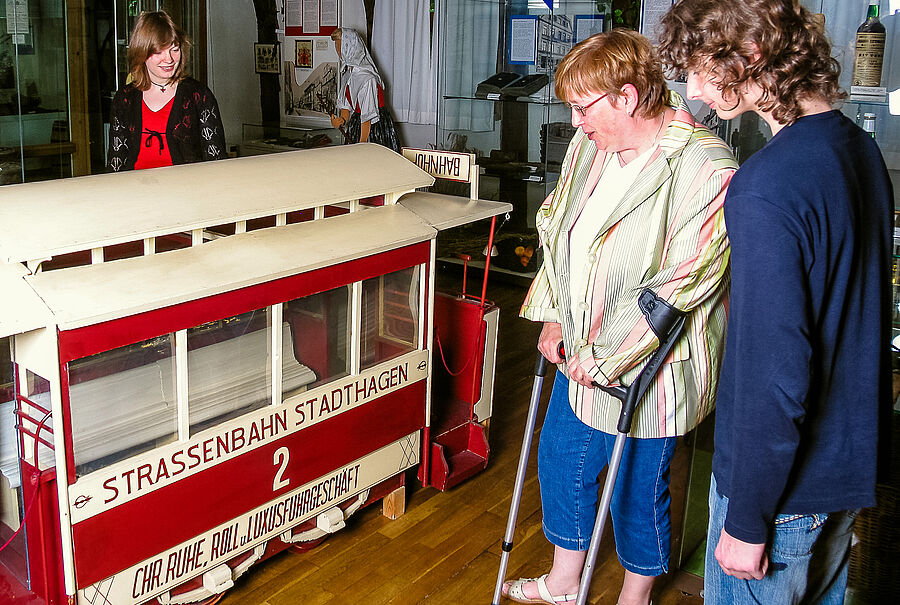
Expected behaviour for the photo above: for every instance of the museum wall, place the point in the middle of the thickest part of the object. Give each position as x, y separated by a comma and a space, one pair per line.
230, 37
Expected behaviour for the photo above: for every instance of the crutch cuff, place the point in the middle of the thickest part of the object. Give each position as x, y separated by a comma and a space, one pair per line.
662, 317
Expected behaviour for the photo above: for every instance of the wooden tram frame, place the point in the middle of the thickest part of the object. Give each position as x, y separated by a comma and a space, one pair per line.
135, 531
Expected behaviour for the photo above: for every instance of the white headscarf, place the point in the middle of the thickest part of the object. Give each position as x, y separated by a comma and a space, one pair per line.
355, 57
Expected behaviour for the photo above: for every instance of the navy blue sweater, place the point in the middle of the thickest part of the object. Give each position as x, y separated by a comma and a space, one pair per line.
807, 362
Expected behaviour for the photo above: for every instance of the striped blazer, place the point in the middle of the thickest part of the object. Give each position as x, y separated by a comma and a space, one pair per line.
667, 234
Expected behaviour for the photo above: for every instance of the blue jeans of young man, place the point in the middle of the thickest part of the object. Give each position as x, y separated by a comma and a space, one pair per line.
808, 558
571, 455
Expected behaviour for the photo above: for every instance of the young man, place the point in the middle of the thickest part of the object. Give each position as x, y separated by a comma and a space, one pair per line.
806, 370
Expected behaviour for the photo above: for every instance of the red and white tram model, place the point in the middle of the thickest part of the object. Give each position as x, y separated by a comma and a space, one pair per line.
210, 363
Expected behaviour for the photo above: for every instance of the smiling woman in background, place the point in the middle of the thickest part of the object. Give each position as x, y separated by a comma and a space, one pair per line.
162, 117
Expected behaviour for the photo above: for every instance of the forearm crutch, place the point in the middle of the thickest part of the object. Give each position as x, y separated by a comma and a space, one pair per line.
667, 323
540, 370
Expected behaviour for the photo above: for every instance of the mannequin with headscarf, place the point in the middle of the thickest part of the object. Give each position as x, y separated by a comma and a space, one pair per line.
362, 113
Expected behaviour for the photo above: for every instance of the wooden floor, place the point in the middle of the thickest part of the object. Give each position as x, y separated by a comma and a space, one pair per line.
446, 548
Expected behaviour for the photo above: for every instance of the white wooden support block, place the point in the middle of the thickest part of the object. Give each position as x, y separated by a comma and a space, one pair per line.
331, 520
218, 579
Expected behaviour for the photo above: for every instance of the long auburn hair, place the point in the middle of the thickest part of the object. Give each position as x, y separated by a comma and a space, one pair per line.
153, 32
774, 43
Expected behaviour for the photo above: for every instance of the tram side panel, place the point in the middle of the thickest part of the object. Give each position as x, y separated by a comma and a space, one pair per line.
150, 508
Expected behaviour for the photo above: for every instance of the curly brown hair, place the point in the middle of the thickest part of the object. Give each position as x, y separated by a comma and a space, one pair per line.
776, 44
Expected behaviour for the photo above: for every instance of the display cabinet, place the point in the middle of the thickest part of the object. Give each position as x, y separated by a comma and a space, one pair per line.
257, 139
519, 132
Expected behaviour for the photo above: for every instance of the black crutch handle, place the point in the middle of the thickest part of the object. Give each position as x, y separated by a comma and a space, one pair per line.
619, 392
666, 322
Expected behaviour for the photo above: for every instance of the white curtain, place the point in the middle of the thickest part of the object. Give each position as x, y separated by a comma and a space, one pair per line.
402, 49
469, 33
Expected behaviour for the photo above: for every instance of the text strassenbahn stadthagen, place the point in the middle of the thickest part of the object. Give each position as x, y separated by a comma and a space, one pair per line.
231, 441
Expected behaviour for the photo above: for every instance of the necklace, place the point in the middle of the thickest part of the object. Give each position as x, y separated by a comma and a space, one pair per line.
162, 87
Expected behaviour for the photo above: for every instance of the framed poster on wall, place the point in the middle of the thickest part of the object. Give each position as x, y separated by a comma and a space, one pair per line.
303, 54
267, 58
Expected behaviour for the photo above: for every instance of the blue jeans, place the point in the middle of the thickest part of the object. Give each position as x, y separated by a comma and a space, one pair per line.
571, 455
808, 560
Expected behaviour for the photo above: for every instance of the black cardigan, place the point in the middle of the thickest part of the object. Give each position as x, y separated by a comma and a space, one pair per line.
194, 131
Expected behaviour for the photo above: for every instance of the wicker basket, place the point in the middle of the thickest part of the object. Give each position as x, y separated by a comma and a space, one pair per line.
875, 560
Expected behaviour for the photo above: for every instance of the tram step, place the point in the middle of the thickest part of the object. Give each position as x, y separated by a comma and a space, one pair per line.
458, 454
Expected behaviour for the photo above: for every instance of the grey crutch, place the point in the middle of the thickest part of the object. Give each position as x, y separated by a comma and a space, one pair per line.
667, 322
540, 370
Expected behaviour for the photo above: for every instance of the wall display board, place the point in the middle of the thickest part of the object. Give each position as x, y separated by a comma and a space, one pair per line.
311, 62
311, 17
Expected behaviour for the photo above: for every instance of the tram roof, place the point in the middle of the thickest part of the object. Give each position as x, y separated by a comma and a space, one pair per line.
89, 294
49, 218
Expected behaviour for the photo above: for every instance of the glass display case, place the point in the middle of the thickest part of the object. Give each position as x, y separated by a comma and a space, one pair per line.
34, 88
257, 139
497, 63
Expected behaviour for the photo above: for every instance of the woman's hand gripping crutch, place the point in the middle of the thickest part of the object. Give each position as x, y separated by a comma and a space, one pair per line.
667, 323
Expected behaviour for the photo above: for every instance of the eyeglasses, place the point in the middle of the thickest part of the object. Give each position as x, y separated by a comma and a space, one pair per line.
581, 110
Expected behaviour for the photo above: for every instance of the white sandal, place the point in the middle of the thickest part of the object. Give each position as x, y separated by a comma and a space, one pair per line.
516, 593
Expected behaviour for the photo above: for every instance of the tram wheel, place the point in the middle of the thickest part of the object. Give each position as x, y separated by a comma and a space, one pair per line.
211, 600
308, 545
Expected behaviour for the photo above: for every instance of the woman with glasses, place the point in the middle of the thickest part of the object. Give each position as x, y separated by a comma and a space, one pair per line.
162, 117
638, 205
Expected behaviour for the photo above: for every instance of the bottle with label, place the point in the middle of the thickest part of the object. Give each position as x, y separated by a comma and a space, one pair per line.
870, 38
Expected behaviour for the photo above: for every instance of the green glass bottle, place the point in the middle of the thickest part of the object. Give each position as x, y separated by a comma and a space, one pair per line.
869, 56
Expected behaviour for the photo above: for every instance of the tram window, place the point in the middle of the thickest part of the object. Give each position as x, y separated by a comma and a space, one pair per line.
229, 368
122, 402
6, 372
10, 496
390, 316
316, 340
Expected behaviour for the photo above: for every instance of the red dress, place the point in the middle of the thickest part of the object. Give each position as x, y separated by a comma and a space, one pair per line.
154, 150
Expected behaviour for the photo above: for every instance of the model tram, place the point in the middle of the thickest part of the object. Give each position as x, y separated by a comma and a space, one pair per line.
207, 364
